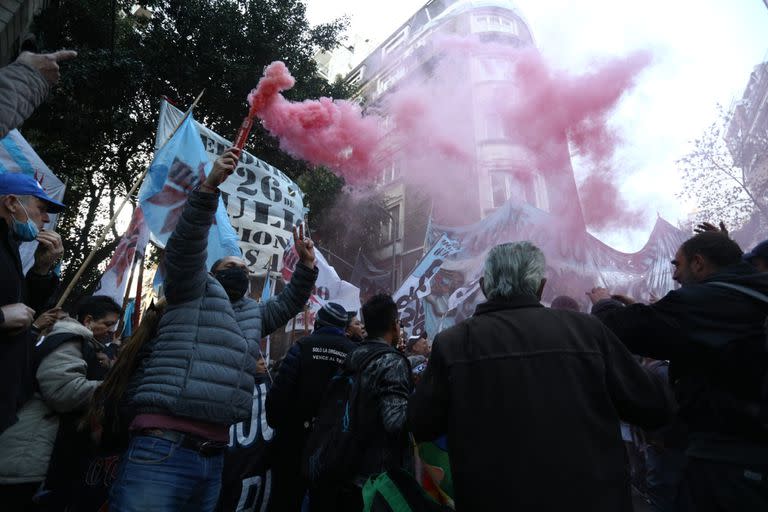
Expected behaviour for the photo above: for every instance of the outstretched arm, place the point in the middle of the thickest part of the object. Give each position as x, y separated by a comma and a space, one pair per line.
187, 248
277, 311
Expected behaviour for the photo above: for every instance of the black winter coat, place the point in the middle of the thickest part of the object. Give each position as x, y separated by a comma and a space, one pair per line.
385, 384
305, 372
16, 377
530, 399
715, 340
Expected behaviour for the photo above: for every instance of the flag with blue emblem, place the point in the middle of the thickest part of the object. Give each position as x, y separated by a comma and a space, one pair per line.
179, 166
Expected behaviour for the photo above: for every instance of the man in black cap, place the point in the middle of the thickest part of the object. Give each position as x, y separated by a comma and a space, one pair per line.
758, 257
24, 208
295, 397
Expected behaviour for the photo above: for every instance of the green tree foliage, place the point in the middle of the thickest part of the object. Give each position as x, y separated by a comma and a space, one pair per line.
97, 129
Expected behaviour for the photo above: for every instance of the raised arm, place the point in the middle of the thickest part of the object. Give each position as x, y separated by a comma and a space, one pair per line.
187, 249
277, 311
25, 84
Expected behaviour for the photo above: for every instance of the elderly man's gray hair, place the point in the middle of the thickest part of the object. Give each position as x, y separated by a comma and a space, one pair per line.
512, 269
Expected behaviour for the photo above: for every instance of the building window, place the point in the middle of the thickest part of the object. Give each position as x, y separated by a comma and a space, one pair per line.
499, 192
390, 231
494, 23
491, 127
357, 78
395, 42
525, 187
540, 191
492, 68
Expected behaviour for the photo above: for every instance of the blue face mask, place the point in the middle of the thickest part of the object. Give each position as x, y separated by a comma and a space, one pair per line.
24, 231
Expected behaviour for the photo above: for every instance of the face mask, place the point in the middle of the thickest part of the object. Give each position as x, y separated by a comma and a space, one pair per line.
24, 231
235, 282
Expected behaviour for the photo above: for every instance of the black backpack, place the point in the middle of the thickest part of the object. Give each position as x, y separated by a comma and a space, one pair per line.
336, 444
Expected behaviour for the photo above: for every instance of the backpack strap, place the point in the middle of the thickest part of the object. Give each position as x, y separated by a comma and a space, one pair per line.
743, 289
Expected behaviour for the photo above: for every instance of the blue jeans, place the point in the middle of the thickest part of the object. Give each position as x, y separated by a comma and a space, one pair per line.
159, 475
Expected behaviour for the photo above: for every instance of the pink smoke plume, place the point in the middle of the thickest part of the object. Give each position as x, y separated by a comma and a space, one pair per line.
549, 104
327, 132
433, 122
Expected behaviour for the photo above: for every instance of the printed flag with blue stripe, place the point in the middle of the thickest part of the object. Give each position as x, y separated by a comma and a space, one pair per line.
179, 166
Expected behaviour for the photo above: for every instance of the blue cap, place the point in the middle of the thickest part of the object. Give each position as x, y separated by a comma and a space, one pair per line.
20, 184
760, 250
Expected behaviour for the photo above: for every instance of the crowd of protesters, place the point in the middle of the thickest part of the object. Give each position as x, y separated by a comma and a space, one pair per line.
530, 399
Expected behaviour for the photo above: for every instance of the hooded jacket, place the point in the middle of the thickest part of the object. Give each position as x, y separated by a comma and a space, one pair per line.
202, 362
16, 377
715, 340
26, 447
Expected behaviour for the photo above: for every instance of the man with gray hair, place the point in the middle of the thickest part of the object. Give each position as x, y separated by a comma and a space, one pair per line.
531, 397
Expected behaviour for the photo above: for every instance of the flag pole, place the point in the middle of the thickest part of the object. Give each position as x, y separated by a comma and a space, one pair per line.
112, 221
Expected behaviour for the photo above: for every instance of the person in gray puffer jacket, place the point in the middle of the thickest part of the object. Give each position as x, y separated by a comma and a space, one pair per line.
196, 376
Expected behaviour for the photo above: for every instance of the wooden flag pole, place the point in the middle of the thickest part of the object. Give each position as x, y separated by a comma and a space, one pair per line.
112, 221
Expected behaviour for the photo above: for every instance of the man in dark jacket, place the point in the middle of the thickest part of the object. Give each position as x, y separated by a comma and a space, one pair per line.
530, 398
385, 384
197, 375
24, 208
712, 330
295, 397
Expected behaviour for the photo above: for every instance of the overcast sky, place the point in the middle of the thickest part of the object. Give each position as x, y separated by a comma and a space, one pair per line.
704, 52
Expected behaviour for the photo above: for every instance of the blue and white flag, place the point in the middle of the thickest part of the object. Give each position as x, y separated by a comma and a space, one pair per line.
179, 166
16, 155
417, 287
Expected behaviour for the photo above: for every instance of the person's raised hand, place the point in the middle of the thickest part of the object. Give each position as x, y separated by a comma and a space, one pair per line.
305, 247
49, 250
16, 316
47, 319
223, 168
597, 294
47, 63
708, 226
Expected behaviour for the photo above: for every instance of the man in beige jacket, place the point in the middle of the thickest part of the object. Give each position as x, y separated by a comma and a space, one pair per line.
68, 373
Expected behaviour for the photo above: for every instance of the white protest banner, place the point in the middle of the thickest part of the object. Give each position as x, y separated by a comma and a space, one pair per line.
409, 298
263, 204
329, 287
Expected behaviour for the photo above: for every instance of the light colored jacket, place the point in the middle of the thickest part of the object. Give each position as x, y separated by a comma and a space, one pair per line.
22, 90
26, 447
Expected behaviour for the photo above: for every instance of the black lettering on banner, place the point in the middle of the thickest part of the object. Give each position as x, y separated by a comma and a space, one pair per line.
280, 242
270, 189
250, 179
262, 238
261, 212
288, 220
251, 256
241, 200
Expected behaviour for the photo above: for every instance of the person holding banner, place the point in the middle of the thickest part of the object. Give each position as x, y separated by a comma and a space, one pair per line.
196, 376
24, 208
